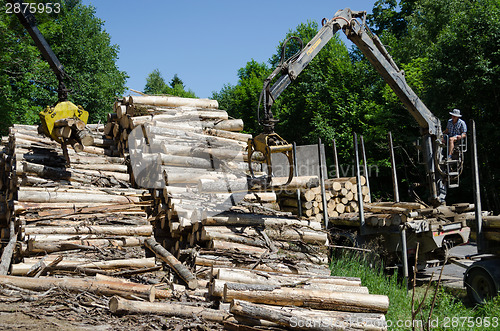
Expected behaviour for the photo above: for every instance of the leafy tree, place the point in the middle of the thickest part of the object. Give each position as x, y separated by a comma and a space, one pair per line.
176, 81
241, 100
155, 84
78, 39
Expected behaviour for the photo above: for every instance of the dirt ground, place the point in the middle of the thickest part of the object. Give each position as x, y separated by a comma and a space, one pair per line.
56, 309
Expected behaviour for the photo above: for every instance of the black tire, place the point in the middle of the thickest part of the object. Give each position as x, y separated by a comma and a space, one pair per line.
480, 285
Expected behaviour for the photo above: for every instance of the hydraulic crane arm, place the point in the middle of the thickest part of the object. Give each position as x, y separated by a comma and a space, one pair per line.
28, 21
372, 48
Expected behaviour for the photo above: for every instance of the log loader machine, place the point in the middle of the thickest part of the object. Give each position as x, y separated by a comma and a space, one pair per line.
63, 110
434, 239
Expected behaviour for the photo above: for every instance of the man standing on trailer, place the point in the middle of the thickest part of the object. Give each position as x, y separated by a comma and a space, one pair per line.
456, 130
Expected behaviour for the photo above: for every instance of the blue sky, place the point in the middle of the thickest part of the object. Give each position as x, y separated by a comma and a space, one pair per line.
204, 42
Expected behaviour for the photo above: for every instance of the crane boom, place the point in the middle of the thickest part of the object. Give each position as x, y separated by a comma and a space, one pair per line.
28, 21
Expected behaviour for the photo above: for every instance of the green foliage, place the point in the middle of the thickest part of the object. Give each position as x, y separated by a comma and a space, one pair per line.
78, 39
374, 278
155, 84
241, 100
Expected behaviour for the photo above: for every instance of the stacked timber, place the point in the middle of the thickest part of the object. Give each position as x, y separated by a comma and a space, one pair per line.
411, 214
341, 197
318, 302
53, 207
205, 214
234, 257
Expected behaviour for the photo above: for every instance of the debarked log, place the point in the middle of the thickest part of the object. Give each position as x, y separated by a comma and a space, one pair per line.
316, 299
253, 277
108, 230
299, 234
107, 288
68, 197
34, 247
182, 271
20, 269
118, 305
306, 319
168, 101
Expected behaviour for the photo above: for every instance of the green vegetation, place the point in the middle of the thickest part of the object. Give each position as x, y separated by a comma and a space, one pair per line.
449, 312
155, 84
77, 37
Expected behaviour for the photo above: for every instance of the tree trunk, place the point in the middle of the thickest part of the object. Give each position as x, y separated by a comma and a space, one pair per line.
109, 230
173, 101
20, 269
306, 319
182, 271
127, 290
316, 299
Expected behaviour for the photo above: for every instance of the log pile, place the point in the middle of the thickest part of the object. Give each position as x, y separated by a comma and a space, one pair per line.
51, 207
341, 197
411, 214
234, 257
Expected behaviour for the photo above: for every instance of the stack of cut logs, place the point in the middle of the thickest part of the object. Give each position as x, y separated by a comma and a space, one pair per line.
258, 266
74, 132
53, 207
490, 229
341, 196
205, 213
385, 214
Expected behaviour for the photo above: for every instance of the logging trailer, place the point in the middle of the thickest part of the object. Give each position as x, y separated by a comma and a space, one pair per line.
435, 236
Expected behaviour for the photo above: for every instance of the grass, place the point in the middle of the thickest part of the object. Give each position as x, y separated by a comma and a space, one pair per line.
449, 312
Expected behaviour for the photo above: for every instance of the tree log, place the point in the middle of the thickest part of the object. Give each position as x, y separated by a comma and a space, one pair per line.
274, 278
109, 230
173, 101
301, 182
72, 197
127, 290
182, 271
20, 269
241, 219
8, 250
316, 299
306, 319
35, 247
303, 234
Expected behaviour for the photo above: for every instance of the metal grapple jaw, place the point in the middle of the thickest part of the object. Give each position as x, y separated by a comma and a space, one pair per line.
267, 144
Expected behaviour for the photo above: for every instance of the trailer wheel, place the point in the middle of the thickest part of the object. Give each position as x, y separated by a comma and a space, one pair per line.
480, 285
